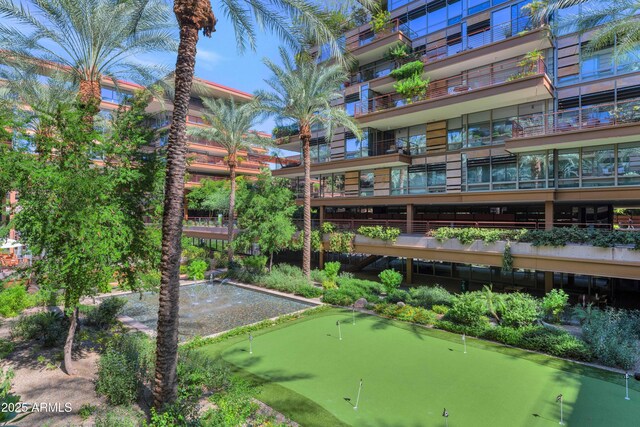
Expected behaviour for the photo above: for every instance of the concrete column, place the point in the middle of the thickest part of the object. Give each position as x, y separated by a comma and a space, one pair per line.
321, 259
321, 210
409, 218
548, 214
548, 281
409, 278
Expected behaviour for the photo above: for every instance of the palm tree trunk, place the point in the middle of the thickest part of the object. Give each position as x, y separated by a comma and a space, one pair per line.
165, 387
90, 95
68, 345
232, 205
305, 136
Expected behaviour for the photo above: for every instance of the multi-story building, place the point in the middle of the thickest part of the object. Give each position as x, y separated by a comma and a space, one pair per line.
517, 128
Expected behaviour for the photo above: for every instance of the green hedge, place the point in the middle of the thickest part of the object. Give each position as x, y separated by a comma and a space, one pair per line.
559, 236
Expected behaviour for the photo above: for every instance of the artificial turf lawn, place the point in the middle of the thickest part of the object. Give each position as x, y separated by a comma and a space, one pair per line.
410, 374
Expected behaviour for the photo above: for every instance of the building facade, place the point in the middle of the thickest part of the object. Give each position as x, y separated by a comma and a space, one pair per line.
518, 127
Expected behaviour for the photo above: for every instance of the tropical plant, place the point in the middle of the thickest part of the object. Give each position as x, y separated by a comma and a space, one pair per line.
554, 303
88, 39
412, 88
391, 279
388, 234
230, 125
8, 400
493, 302
303, 93
408, 70
381, 21
622, 28
284, 18
331, 270
196, 269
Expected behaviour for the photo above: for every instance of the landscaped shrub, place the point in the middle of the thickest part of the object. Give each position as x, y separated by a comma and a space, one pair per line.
119, 416
283, 278
331, 270
612, 337
105, 315
124, 367
220, 260
341, 242
474, 330
468, 309
318, 275
14, 299
554, 303
350, 290
197, 375
397, 295
428, 296
328, 227
6, 348
388, 234
233, 406
406, 313
255, 264
555, 342
391, 279
518, 310
407, 70
196, 269
440, 309
48, 327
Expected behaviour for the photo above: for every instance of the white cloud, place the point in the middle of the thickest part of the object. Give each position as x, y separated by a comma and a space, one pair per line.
208, 58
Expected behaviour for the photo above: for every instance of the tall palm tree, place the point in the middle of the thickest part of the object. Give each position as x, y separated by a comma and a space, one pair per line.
304, 93
278, 16
622, 25
87, 39
230, 125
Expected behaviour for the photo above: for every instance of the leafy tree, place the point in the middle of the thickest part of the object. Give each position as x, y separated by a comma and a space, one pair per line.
86, 222
210, 195
89, 39
230, 126
265, 215
304, 93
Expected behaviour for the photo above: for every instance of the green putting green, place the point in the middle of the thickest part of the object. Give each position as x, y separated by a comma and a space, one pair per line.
411, 374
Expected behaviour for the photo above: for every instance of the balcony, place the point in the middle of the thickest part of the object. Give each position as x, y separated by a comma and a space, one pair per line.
579, 127
368, 46
204, 163
492, 86
390, 159
453, 54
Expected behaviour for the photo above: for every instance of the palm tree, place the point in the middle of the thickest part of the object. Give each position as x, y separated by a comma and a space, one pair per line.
622, 27
304, 93
87, 39
230, 125
493, 302
282, 18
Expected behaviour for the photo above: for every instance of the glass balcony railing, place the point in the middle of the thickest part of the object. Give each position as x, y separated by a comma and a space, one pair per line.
362, 39
590, 117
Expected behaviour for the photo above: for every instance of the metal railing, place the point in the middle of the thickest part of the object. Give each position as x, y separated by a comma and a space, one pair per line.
452, 45
366, 37
486, 76
591, 117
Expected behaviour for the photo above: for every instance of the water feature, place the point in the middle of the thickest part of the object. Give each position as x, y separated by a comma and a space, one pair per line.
212, 306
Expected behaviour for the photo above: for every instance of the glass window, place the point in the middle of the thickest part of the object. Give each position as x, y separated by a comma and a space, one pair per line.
356, 148
418, 23
367, 179
418, 140
568, 168
455, 134
532, 170
597, 166
436, 177
629, 164
503, 172
417, 179
454, 11
394, 4
476, 6
597, 64
333, 185
478, 174
478, 134
399, 181
437, 15
501, 24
